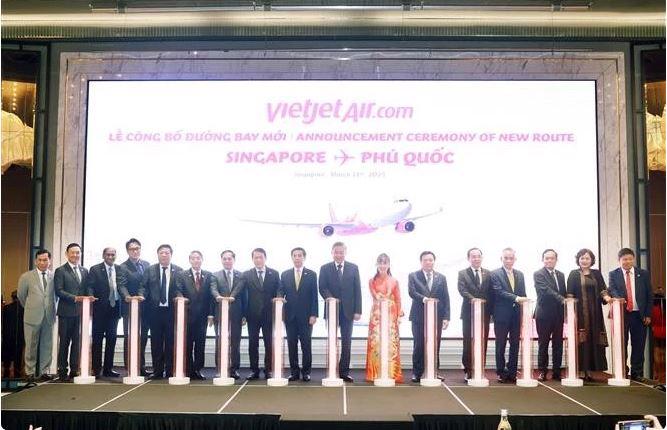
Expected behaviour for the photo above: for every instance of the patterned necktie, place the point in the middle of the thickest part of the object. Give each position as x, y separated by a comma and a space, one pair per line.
510, 276
77, 273
228, 274
339, 272
297, 278
197, 281
429, 280
477, 281
140, 267
629, 304
261, 277
163, 286
112, 288
44, 281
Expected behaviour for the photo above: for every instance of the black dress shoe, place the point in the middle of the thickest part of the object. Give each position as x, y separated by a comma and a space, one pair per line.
556, 377
306, 377
45, 378
416, 379
293, 377
252, 376
542, 376
511, 379
347, 378
144, 373
111, 374
467, 376
268, 375
235, 374
156, 377
73, 375
196, 375
501, 379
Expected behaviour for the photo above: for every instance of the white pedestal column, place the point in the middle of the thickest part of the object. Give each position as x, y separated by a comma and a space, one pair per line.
133, 344
572, 379
618, 359
478, 339
385, 346
526, 379
180, 336
223, 343
332, 379
277, 379
84, 353
430, 378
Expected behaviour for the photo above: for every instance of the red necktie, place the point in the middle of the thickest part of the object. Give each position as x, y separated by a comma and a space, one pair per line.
629, 304
197, 281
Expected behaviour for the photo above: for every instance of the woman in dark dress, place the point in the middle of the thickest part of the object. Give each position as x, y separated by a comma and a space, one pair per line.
590, 290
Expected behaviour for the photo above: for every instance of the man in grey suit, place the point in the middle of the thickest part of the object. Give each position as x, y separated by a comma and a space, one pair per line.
69, 281
423, 284
35, 292
340, 279
231, 284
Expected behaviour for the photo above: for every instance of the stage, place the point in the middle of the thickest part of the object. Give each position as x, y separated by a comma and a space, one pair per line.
108, 404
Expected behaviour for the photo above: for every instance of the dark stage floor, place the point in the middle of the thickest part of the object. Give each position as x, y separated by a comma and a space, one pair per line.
360, 401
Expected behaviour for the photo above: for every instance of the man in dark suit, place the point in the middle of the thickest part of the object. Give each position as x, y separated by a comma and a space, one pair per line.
634, 285
195, 284
474, 283
230, 283
509, 289
69, 284
299, 286
104, 281
158, 286
263, 285
549, 314
340, 279
134, 268
423, 284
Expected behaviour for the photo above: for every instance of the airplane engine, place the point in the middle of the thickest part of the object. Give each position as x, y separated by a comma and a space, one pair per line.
405, 226
327, 230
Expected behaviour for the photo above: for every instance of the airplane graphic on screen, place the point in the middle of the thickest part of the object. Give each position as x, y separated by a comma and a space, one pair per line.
396, 216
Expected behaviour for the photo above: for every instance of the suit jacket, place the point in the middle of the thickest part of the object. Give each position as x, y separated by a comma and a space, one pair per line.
504, 299
418, 290
550, 298
37, 302
133, 276
67, 287
347, 290
201, 302
301, 304
239, 306
132, 280
260, 296
468, 290
150, 285
97, 284
643, 291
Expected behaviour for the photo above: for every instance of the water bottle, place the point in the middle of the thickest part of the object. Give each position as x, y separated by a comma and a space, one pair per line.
504, 424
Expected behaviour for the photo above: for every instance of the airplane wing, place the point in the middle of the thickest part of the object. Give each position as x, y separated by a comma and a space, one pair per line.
301, 224
412, 218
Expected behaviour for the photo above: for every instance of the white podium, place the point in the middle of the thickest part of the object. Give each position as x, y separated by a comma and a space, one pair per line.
618, 359
526, 379
223, 343
572, 379
180, 338
133, 344
430, 378
277, 379
85, 327
332, 379
385, 346
478, 341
